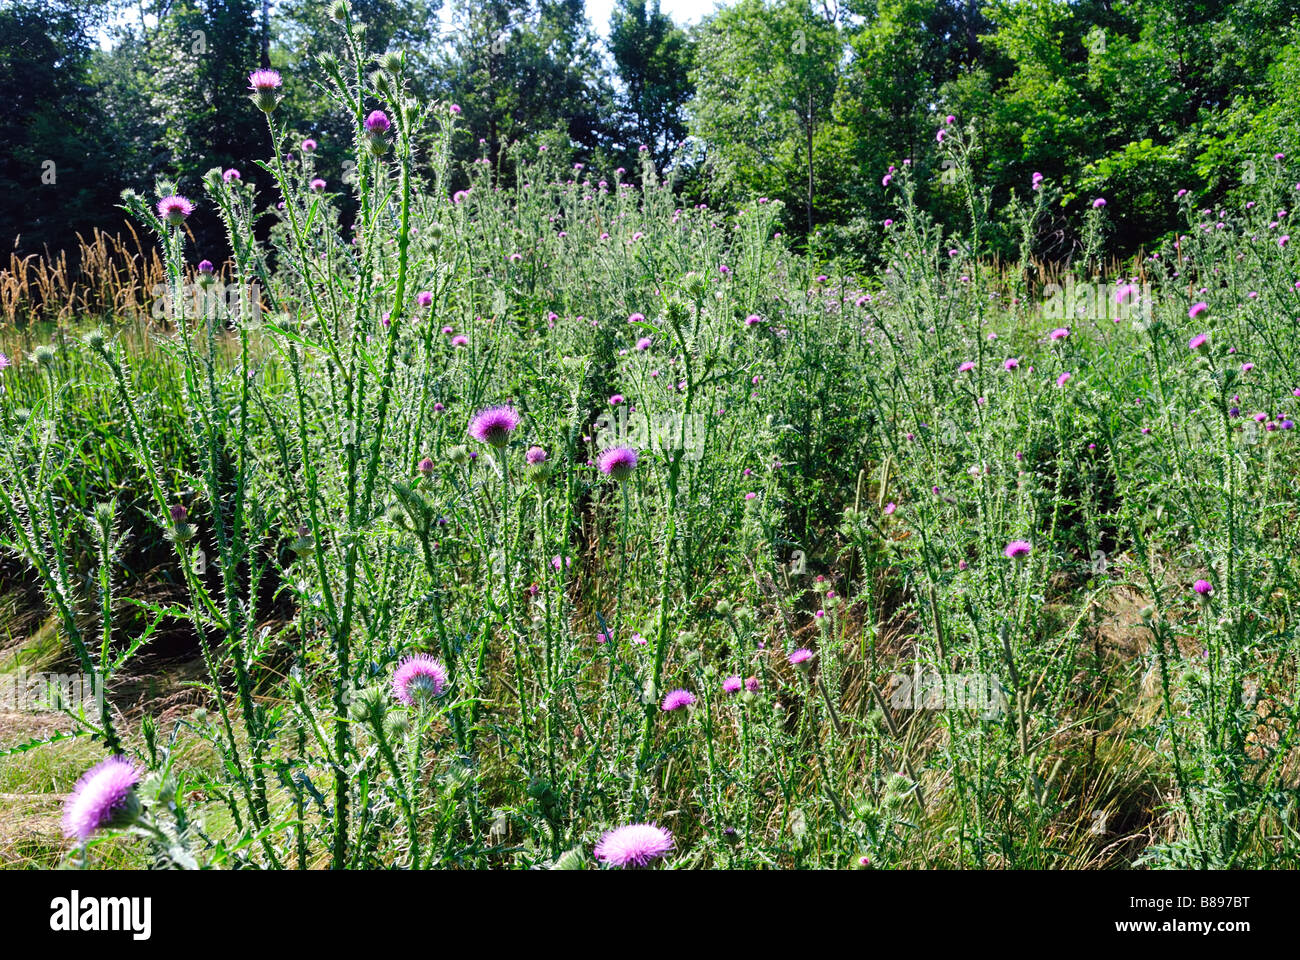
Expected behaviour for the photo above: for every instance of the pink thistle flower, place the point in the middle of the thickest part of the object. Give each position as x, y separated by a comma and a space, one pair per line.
1063, 379
1017, 549
317, 185
732, 684
260, 80
677, 700
1199, 342
801, 657
494, 425
378, 124
534, 456
643, 343
174, 209
424, 298
102, 797
1203, 587
966, 367
419, 679
308, 145
617, 462
634, 845
1060, 333
1197, 309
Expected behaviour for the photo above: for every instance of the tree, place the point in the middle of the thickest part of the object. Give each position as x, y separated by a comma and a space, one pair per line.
652, 58
765, 79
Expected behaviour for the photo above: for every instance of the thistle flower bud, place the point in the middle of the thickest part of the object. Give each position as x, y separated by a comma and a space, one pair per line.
391, 61
96, 340
339, 10
44, 355
459, 454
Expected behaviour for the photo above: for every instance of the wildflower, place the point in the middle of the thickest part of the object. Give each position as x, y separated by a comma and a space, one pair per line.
494, 425
801, 659
732, 684
264, 84
377, 126
616, 399
677, 699
1017, 549
424, 298
1197, 309
454, 109
460, 196
103, 797
1063, 379
1199, 343
966, 367
1011, 363
617, 462
418, 679
634, 845
1099, 203
753, 320
317, 185
230, 175
174, 209
890, 508
426, 466
1060, 333
751, 685
643, 343
460, 340
308, 145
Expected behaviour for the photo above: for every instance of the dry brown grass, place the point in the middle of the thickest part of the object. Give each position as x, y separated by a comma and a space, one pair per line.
109, 276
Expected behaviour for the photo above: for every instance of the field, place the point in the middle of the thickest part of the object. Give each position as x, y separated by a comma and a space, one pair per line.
522, 515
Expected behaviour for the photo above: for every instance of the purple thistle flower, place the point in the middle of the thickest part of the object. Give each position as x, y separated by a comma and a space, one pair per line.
230, 175
966, 367
634, 845
418, 679
494, 425
534, 456
677, 699
460, 340
378, 124
732, 684
424, 298
1203, 587
1063, 379
1060, 333
101, 796
265, 84
260, 80
308, 145
174, 209
751, 685
205, 266
617, 462
800, 657
643, 343
1017, 549
1198, 342
1011, 363
317, 185
1197, 309
616, 399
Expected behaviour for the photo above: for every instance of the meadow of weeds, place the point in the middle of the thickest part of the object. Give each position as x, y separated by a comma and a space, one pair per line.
559, 526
